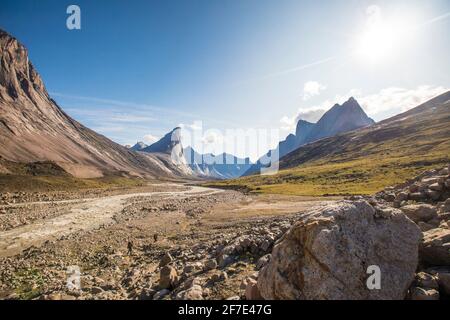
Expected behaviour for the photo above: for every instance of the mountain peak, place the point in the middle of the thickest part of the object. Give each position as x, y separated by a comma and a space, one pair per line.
139, 146
167, 143
19, 78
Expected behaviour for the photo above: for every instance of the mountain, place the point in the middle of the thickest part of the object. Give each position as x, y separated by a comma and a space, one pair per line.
340, 118
223, 166
417, 131
167, 143
365, 160
34, 128
139, 146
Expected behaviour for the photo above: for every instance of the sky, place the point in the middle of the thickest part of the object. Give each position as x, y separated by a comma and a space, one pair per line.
137, 69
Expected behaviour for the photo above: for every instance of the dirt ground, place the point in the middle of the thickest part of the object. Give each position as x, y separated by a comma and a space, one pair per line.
41, 240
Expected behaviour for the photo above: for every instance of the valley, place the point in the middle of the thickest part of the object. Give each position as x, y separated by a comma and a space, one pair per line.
157, 222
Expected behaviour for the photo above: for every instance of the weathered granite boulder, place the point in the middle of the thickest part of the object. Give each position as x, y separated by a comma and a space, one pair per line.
327, 252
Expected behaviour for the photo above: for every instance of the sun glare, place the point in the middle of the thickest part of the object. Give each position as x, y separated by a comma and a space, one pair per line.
380, 38
377, 42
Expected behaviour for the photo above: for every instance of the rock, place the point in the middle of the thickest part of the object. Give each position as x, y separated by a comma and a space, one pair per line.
435, 248
446, 205
161, 294
436, 186
434, 195
263, 261
193, 267
147, 293
424, 226
96, 290
168, 277
265, 245
401, 196
252, 291
420, 212
165, 260
193, 293
444, 282
417, 196
210, 264
225, 260
326, 253
233, 298
426, 281
424, 294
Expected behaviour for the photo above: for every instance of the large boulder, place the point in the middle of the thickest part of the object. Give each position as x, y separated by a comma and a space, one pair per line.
327, 252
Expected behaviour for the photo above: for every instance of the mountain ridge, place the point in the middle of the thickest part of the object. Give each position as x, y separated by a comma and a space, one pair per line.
338, 119
34, 128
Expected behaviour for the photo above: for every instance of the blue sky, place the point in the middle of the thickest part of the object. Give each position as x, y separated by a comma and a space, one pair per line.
140, 68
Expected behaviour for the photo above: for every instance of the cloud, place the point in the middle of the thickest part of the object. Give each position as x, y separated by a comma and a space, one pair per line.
394, 100
195, 126
311, 89
149, 139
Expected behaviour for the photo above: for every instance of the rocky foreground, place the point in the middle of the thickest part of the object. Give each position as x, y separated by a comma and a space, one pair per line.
211, 247
403, 231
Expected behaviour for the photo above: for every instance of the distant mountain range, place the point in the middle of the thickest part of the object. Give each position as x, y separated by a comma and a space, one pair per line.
339, 119
223, 166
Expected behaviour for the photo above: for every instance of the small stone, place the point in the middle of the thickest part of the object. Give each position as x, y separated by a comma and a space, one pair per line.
161, 294
419, 212
263, 261
96, 290
436, 186
426, 281
193, 293
423, 294
210, 264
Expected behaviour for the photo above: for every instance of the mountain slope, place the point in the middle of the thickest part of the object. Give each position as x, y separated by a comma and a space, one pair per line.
366, 160
34, 128
340, 118
139, 146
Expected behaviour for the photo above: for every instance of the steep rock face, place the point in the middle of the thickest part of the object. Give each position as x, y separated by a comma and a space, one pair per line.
340, 118
326, 254
34, 128
167, 143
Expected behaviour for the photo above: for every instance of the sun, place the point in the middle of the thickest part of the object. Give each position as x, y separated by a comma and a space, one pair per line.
380, 38
377, 42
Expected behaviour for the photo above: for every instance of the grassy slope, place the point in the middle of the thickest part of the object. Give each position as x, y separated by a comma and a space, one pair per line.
363, 161
47, 176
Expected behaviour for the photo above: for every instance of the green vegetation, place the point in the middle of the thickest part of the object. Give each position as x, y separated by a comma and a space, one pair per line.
362, 176
26, 183
27, 283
